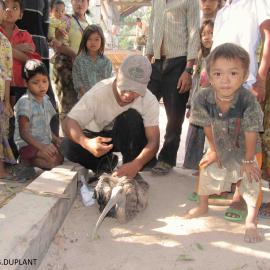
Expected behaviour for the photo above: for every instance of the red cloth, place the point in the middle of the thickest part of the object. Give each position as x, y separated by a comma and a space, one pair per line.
28, 152
18, 37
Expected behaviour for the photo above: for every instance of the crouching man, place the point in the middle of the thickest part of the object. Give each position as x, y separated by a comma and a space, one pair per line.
117, 115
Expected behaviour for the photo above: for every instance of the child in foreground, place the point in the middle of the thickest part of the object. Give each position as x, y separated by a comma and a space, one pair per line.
232, 119
37, 145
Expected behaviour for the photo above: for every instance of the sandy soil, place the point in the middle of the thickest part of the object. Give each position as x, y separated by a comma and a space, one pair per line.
158, 238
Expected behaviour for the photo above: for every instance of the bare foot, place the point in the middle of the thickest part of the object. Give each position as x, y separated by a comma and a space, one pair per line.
196, 212
252, 235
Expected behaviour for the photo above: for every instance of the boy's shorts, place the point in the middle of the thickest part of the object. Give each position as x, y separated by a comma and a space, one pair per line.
214, 180
28, 152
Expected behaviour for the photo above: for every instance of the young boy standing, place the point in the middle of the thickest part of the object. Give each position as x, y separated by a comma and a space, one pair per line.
232, 119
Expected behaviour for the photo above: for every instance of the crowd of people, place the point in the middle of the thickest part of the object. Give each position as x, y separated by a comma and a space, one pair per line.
199, 60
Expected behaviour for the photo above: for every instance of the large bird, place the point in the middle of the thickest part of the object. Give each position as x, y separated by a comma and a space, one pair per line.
122, 198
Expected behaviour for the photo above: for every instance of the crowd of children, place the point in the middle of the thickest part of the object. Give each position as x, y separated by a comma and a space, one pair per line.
219, 106
26, 133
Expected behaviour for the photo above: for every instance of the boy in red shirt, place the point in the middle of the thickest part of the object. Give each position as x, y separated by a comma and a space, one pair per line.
23, 49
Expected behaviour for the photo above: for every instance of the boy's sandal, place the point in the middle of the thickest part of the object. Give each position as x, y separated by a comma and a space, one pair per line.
235, 215
161, 168
264, 211
193, 196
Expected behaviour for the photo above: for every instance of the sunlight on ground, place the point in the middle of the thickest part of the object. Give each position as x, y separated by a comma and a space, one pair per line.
180, 226
127, 236
242, 250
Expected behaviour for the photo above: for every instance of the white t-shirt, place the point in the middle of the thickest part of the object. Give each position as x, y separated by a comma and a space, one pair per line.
239, 23
98, 108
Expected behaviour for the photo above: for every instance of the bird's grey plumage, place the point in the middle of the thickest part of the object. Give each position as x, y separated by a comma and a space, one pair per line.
127, 196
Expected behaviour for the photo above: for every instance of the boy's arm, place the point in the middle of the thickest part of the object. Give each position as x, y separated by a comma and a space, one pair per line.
48, 150
26, 135
250, 167
19, 55
251, 140
210, 138
211, 154
25, 49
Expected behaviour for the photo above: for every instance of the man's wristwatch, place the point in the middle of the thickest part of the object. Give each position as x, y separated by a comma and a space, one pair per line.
189, 70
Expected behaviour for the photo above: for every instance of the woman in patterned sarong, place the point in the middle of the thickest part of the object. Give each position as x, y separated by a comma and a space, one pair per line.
66, 54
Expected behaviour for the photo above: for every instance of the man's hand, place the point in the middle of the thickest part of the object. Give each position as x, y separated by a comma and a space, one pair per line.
184, 82
129, 169
209, 158
258, 89
98, 146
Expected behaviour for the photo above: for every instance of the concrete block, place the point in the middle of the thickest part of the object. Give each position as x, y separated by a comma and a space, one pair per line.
29, 222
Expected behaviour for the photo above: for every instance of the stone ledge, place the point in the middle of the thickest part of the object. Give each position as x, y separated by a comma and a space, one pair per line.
30, 221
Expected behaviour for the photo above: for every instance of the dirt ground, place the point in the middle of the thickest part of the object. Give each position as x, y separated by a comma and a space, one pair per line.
158, 238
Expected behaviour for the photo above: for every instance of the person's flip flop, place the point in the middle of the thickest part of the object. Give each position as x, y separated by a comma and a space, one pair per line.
239, 215
193, 196
261, 213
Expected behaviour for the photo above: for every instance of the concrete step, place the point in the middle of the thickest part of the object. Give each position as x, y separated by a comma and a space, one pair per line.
29, 222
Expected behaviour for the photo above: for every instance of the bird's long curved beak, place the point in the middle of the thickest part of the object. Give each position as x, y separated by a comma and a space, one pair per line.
116, 197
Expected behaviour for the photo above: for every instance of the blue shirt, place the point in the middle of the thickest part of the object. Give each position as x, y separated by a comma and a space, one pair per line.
39, 115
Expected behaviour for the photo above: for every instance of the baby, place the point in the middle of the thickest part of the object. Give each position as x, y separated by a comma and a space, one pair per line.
59, 21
